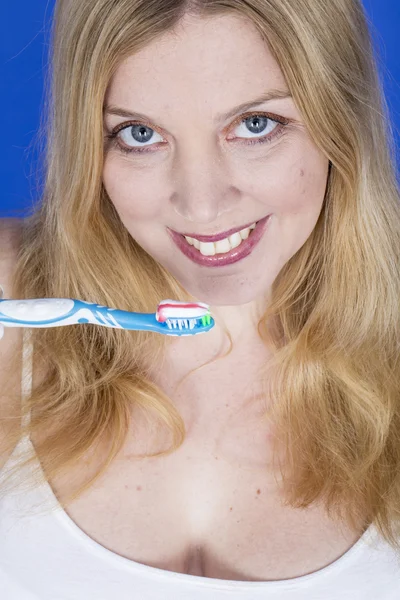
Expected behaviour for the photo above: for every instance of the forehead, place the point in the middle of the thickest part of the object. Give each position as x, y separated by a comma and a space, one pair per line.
212, 62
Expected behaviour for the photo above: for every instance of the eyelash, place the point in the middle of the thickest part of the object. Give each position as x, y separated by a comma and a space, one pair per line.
113, 136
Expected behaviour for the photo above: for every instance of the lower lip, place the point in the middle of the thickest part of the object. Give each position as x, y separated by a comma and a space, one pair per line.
220, 260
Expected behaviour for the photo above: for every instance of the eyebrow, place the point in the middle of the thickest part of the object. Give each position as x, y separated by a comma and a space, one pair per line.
266, 97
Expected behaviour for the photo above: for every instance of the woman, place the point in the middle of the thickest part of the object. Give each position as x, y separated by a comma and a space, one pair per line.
259, 460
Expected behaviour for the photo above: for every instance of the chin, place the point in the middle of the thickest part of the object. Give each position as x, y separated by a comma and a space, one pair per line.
218, 294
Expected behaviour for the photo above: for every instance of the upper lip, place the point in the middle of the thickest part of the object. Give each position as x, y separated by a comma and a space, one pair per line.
218, 236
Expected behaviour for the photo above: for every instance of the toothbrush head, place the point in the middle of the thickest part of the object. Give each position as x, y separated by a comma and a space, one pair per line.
193, 316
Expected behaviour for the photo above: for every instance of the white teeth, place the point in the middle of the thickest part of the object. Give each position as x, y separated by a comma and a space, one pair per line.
207, 248
222, 246
235, 239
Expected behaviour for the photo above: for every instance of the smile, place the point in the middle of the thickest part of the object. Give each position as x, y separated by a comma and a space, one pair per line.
222, 246
225, 251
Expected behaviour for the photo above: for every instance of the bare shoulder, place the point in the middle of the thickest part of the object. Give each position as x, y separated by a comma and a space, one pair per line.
11, 231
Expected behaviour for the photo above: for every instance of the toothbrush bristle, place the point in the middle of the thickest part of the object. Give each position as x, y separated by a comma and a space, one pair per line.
188, 323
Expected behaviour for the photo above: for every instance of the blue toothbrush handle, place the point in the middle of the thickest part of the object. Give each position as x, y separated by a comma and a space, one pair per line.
58, 312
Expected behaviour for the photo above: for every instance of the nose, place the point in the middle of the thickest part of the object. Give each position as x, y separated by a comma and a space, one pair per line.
203, 191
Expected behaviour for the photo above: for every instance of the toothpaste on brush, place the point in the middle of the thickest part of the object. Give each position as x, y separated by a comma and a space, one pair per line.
172, 309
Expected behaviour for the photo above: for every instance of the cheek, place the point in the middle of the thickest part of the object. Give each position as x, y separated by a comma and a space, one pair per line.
134, 197
295, 186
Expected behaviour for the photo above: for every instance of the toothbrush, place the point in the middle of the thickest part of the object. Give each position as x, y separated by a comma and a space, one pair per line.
171, 318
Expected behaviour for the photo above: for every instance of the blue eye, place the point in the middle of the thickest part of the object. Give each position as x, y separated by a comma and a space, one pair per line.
139, 133
253, 123
256, 124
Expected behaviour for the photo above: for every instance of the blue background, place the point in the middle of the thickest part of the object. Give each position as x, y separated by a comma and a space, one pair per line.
23, 56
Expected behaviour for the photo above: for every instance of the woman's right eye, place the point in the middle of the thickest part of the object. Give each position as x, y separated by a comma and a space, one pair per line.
134, 132
140, 134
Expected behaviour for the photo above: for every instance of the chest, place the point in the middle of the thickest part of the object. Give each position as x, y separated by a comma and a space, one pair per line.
210, 509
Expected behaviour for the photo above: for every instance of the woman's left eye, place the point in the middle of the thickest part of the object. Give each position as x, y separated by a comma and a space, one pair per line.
262, 125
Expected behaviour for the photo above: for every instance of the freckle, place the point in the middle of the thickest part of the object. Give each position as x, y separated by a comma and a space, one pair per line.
230, 508
258, 491
139, 488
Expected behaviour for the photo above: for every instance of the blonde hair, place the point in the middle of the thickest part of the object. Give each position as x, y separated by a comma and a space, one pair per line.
336, 407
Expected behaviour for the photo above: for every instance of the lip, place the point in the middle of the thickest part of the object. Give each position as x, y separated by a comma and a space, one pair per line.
219, 260
218, 236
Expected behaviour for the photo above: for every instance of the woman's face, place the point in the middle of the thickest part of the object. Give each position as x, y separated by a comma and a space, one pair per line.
199, 173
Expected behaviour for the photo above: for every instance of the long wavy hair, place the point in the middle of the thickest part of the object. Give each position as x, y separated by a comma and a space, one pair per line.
336, 343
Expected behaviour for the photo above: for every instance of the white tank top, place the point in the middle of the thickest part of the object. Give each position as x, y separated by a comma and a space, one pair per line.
48, 557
